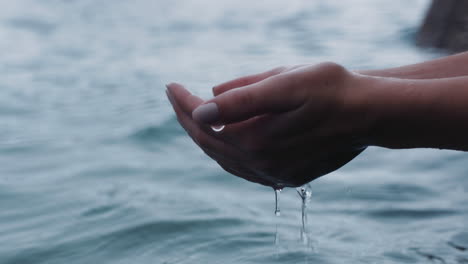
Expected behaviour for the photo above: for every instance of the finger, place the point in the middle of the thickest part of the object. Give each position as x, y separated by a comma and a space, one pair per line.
184, 98
267, 127
217, 150
202, 139
246, 80
187, 102
272, 95
235, 134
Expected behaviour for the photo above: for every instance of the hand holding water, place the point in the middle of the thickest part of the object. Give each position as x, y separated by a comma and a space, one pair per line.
284, 127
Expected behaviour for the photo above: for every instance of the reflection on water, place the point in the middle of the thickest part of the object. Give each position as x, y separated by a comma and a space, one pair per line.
95, 169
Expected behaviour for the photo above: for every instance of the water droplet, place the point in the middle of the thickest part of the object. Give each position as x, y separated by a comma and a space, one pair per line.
277, 200
218, 128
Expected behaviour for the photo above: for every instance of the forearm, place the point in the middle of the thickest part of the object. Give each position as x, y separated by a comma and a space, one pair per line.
419, 113
446, 67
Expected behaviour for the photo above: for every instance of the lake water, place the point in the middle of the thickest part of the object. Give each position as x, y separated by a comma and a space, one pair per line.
95, 169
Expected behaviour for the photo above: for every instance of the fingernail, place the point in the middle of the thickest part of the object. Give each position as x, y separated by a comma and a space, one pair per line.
206, 113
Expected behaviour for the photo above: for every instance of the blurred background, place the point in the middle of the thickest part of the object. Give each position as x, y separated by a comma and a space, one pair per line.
95, 169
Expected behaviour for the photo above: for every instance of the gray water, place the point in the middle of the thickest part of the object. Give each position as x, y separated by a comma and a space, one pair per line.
95, 169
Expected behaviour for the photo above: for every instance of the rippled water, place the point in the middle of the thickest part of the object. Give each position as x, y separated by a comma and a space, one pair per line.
95, 169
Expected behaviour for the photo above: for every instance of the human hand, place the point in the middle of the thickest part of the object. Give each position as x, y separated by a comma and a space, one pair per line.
284, 127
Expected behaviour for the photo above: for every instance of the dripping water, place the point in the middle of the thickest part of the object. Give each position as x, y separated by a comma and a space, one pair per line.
277, 201
305, 193
277, 190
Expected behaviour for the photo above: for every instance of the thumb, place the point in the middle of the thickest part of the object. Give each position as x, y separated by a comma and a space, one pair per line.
273, 95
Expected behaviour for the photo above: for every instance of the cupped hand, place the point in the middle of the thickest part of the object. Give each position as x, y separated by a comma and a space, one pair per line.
284, 127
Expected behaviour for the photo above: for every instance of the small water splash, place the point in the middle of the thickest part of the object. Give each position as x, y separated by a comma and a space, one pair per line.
218, 128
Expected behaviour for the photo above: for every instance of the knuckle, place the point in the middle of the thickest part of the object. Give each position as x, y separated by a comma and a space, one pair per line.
244, 80
332, 68
245, 98
279, 69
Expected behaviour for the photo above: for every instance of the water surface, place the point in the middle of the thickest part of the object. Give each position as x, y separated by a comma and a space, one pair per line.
95, 169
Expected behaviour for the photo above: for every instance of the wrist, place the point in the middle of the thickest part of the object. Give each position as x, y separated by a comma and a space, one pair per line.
407, 114
392, 112
393, 106
360, 113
